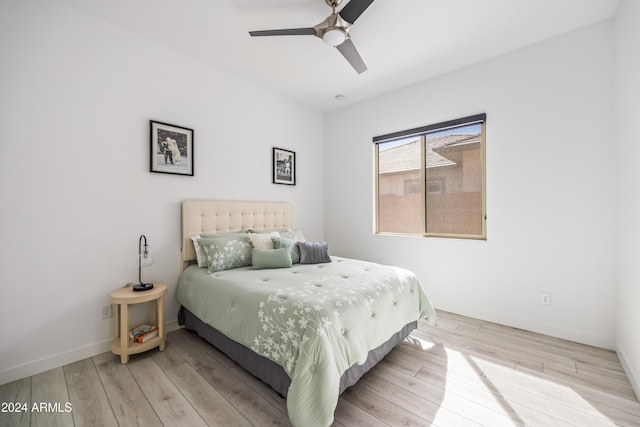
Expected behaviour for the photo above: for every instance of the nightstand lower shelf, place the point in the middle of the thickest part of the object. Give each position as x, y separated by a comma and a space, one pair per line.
134, 347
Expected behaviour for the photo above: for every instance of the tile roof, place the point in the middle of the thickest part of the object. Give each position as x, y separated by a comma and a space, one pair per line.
406, 157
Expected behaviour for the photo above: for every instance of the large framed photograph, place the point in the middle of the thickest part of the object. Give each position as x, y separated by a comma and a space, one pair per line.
284, 166
171, 149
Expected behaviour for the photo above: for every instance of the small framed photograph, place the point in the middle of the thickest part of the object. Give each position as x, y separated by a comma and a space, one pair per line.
284, 166
171, 149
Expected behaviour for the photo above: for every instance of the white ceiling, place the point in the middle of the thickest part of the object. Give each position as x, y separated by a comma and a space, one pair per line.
402, 41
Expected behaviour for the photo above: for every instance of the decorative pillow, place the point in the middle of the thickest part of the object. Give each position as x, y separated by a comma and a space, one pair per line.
252, 230
284, 232
226, 252
293, 234
281, 242
200, 257
202, 261
313, 252
262, 241
271, 258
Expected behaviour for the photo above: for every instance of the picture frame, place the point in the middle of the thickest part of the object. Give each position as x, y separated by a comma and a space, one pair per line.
171, 149
284, 166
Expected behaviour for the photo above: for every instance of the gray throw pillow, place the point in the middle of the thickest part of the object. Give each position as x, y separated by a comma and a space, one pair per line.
313, 252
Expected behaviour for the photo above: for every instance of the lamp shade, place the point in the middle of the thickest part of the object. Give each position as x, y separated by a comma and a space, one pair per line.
334, 36
146, 260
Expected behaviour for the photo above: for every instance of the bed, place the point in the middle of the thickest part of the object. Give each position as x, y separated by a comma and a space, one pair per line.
309, 330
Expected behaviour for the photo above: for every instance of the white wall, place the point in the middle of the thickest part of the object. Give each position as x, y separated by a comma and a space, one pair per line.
76, 97
550, 187
628, 184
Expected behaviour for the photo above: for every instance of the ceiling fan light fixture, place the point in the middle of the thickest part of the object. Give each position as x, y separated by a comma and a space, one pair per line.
334, 36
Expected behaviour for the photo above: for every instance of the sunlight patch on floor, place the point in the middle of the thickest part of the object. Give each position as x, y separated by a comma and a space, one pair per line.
561, 401
482, 388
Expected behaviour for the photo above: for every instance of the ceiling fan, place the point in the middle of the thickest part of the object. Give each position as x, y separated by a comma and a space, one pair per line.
334, 30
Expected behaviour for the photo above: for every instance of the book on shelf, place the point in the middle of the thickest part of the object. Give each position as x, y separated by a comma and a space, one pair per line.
139, 331
147, 335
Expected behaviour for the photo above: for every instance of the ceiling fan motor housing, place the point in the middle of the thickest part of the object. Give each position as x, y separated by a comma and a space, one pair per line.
333, 3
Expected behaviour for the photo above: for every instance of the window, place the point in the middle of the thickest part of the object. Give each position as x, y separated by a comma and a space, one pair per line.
431, 180
412, 186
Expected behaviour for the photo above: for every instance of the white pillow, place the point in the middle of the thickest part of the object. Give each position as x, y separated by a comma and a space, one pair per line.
263, 240
202, 260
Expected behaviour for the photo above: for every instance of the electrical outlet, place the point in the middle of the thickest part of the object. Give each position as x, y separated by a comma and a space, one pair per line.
106, 312
545, 298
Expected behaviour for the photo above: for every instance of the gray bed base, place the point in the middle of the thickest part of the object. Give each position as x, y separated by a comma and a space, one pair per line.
270, 372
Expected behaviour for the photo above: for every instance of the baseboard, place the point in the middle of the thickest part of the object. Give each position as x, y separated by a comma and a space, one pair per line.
57, 360
533, 326
633, 379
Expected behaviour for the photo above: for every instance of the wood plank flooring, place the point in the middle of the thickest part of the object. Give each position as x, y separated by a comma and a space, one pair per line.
464, 372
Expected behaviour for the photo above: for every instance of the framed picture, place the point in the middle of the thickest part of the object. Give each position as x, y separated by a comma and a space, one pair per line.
284, 166
171, 149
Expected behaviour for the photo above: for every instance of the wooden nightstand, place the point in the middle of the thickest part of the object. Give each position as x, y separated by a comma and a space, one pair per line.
122, 298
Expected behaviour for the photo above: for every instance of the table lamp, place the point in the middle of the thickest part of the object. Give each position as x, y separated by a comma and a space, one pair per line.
144, 260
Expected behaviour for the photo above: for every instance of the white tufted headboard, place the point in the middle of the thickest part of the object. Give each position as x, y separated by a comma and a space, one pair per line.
218, 216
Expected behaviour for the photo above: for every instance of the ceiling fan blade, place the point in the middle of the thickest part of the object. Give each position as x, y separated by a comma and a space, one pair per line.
348, 50
286, 32
354, 9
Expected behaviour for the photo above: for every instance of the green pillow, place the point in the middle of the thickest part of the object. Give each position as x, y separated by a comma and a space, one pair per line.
226, 252
280, 242
200, 257
271, 258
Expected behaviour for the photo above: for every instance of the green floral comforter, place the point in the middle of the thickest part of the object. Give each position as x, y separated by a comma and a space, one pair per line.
315, 320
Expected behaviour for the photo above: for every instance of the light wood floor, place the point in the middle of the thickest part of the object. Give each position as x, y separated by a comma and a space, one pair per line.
464, 372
